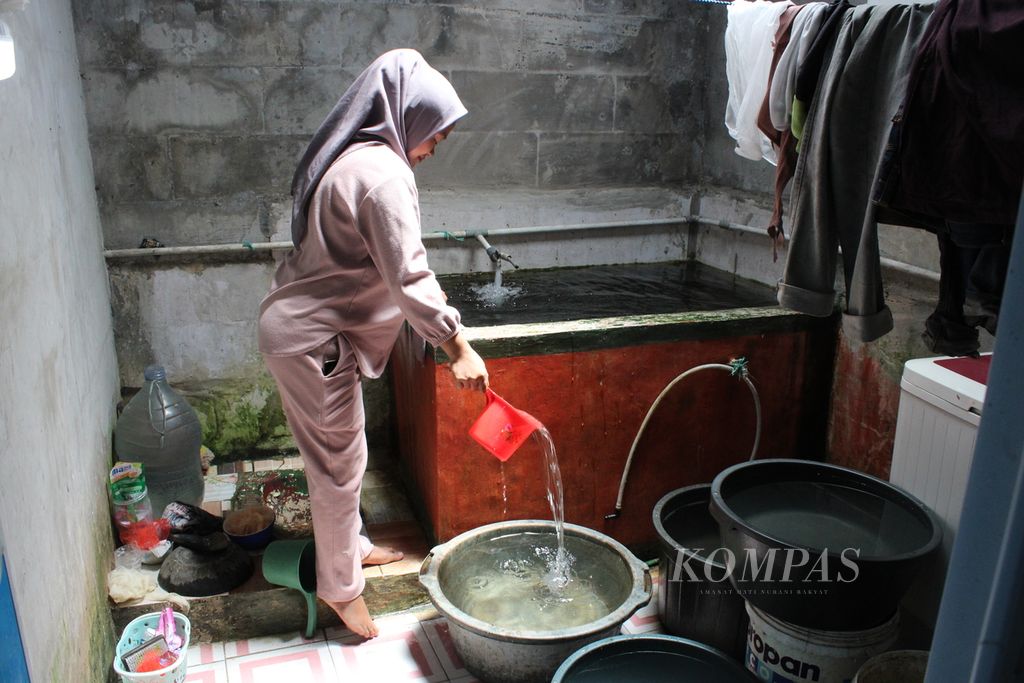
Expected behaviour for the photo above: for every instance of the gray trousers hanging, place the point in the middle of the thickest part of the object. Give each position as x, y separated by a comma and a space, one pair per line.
846, 132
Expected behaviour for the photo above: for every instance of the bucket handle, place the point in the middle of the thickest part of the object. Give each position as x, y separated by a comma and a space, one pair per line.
644, 594
428, 576
425, 565
310, 613
641, 596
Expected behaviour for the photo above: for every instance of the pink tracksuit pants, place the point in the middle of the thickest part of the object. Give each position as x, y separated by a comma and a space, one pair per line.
325, 414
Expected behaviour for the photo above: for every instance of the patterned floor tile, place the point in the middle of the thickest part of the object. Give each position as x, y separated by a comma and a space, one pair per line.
644, 621
441, 640
205, 653
397, 654
241, 648
303, 664
218, 487
394, 623
207, 673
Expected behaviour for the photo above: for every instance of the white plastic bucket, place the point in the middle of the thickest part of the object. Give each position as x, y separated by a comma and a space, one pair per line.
134, 634
778, 651
898, 666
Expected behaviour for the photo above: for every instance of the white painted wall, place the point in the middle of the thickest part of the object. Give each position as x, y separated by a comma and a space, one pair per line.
58, 371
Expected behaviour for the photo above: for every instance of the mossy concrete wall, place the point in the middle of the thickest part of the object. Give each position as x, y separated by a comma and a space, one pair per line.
57, 366
580, 111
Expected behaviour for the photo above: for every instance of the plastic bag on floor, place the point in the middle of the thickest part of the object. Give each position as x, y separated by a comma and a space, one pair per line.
190, 519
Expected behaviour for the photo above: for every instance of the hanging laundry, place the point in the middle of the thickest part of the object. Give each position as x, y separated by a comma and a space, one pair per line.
845, 133
749, 33
958, 147
809, 73
783, 142
973, 260
955, 160
757, 36
802, 34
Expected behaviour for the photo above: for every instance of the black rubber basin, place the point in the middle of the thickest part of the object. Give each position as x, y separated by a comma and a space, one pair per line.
695, 598
821, 546
650, 659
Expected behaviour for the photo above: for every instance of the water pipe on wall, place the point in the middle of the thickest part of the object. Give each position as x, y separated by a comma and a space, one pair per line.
738, 368
567, 227
247, 248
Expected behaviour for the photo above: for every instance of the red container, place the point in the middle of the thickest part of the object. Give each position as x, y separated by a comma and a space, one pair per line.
502, 428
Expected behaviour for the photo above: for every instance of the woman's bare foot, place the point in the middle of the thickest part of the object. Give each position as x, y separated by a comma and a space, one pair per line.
383, 555
356, 617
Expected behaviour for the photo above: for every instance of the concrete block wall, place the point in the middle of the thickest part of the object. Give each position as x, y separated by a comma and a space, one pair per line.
57, 365
581, 111
198, 111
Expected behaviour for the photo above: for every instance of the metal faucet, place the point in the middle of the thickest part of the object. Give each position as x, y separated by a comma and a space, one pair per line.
492, 253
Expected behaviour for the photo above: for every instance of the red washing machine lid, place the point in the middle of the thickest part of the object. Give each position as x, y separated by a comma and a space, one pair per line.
975, 369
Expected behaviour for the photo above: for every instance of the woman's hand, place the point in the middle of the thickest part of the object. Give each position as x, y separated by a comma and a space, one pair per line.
468, 369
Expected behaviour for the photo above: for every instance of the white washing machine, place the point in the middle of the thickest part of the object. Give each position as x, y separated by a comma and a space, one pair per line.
936, 427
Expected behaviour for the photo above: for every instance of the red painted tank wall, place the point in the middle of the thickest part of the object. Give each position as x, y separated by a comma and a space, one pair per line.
862, 423
593, 403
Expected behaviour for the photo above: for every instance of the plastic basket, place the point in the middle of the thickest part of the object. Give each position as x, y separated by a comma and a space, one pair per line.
134, 634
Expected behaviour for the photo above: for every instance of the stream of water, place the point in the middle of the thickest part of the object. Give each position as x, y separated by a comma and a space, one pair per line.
524, 581
558, 569
504, 493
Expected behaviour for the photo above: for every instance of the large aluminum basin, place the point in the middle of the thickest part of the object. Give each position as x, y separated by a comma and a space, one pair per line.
502, 655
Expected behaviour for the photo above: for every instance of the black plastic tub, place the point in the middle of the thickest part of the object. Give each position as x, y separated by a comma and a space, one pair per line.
821, 546
695, 598
650, 659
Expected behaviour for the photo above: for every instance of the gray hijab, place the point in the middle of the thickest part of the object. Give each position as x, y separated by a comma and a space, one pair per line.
399, 99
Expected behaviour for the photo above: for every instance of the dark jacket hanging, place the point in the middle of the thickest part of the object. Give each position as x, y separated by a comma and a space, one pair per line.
958, 148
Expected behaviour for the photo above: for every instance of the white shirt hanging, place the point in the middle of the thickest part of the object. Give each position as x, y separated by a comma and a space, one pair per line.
749, 45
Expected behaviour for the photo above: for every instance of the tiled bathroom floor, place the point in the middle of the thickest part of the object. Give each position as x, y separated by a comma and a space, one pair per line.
412, 646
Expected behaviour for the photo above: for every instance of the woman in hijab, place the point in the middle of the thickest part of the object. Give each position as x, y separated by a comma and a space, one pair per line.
358, 269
